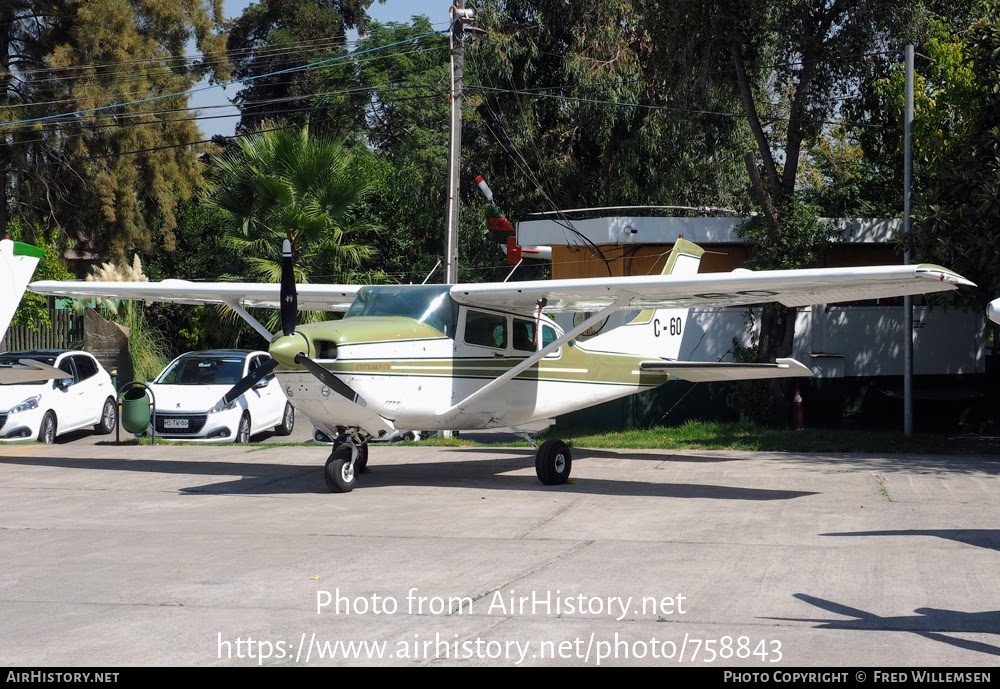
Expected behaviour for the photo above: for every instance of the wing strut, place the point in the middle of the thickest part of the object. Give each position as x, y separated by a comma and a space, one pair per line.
245, 315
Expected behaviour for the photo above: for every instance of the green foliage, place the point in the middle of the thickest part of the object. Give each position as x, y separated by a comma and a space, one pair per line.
104, 179
284, 37
199, 254
803, 240
843, 182
957, 205
146, 344
595, 104
278, 184
753, 400
34, 308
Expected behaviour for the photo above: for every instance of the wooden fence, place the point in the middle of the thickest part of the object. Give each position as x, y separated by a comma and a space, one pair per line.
66, 332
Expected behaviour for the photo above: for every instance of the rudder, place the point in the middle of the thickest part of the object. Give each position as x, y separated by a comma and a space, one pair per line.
17, 265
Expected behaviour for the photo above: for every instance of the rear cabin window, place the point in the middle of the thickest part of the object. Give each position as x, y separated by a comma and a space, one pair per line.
523, 336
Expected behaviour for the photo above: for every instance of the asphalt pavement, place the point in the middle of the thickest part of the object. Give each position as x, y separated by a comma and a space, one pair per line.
119, 556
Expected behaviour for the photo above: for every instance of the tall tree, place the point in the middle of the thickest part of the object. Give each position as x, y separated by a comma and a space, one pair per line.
956, 137
400, 85
791, 63
274, 41
278, 184
575, 107
95, 143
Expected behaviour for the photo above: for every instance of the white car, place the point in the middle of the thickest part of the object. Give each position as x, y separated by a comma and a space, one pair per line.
187, 398
43, 410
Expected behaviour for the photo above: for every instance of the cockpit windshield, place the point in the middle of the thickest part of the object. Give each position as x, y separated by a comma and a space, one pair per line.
430, 304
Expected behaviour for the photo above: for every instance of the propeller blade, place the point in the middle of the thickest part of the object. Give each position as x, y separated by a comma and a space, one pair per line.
289, 297
249, 381
330, 380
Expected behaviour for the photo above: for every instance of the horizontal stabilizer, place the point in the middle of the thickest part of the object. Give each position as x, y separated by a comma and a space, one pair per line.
29, 371
709, 371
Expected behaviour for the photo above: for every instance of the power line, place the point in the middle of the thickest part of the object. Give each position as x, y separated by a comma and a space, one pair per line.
311, 65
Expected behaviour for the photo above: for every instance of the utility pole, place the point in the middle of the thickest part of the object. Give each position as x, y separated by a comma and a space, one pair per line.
459, 15
907, 301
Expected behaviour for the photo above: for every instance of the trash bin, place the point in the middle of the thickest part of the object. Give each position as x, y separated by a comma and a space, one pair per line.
135, 410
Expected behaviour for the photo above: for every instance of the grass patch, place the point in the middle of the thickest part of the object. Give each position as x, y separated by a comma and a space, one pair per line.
747, 436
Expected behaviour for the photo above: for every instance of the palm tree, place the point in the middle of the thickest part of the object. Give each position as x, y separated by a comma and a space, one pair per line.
279, 183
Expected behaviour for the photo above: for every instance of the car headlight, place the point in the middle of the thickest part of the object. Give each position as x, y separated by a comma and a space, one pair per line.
30, 403
222, 406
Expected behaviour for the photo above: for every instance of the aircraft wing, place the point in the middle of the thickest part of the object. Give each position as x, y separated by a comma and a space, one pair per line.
741, 287
29, 371
311, 297
708, 371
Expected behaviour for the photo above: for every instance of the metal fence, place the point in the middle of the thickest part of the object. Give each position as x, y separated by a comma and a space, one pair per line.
66, 332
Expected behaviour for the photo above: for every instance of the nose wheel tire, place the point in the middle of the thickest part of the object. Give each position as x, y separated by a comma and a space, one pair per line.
339, 473
553, 462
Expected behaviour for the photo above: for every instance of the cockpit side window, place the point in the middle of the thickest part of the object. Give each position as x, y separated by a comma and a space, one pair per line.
486, 329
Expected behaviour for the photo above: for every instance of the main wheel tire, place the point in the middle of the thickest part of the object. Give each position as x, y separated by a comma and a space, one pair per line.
338, 473
553, 462
47, 431
109, 418
287, 424
243, 432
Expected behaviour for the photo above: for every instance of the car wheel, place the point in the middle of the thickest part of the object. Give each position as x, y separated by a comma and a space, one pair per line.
47, 431
243, 432
109, 418
287, 424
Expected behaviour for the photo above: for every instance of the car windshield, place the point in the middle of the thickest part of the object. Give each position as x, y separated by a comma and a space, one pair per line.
203, 371
13, 359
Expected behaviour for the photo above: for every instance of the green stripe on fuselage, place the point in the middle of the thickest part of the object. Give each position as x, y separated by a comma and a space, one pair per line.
572, 366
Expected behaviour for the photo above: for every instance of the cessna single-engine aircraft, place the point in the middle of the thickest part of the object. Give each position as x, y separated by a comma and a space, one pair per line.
473, 356
17, 265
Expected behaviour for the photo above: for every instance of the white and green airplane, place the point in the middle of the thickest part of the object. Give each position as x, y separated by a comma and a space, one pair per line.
472, 356
17, 264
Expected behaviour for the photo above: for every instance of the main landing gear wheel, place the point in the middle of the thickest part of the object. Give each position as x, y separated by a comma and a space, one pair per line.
339, 473
553, 462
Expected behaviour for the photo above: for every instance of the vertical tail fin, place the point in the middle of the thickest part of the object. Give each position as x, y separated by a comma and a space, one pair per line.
17, 265
655, 332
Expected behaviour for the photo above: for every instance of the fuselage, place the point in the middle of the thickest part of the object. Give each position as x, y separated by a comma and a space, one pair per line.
407, 369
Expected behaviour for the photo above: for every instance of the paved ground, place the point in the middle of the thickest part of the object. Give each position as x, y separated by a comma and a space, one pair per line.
193, 555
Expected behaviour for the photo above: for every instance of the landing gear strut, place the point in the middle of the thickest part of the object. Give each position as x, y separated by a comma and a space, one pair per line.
348, 459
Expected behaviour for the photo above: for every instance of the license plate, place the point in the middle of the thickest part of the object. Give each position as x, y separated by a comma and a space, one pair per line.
175, 423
